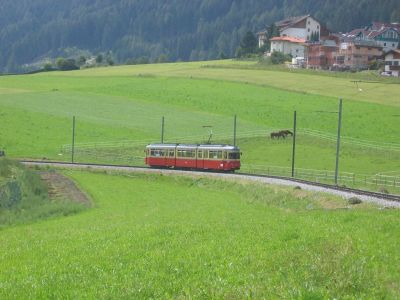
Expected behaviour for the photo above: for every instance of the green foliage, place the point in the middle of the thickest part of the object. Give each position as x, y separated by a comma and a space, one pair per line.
81, 60
24, 196
222, 55
68, 64
314, 36
48, 67
376, 65
272, 31
99, 58
279, 58
31, 30
248, 45
354, 201
162, 59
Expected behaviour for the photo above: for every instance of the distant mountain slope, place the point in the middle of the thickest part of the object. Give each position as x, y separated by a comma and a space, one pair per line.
181, 29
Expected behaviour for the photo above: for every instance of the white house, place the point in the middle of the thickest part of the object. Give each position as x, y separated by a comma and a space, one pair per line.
392, 63
302, 27
288, 45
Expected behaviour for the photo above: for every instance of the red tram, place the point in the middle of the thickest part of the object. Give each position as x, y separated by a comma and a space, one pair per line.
202, 157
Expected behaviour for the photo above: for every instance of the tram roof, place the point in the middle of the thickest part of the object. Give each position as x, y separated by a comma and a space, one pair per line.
193, 146
161, 146
216, 147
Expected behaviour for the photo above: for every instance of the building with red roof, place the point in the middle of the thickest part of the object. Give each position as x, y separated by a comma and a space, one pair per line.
386, 35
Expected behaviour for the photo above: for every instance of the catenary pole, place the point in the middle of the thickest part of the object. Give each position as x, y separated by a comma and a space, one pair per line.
234, 131
338, 141
73, 139
294, 141
162, 130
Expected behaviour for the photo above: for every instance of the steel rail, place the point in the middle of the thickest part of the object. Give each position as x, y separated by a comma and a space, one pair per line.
390, 197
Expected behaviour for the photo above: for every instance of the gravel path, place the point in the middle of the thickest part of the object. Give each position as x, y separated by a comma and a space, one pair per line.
307, 187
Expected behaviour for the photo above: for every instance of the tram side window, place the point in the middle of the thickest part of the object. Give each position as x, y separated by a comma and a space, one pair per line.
200, 154
171, 153
215, 154
234, 155
157, 153
186, 153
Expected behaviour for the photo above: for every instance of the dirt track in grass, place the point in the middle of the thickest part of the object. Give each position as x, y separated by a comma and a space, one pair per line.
62, 187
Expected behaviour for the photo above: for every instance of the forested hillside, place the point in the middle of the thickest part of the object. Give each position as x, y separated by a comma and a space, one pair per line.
179, 29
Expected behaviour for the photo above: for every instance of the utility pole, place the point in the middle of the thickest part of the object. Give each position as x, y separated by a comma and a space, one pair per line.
162, 130
234, 131
338, 141
294, 141
73, 139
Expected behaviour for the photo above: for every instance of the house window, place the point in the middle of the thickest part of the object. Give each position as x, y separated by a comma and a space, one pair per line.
309, 22
308, 29
392, 45
395, 63
317, 26
384, 44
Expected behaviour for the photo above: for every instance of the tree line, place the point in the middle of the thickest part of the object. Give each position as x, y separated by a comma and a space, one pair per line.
137, 31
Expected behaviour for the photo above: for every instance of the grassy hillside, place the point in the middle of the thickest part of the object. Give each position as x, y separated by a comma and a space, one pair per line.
152, 236
119, 111
24, 197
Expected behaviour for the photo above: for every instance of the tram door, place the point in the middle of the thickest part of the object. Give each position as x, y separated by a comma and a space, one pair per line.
200, 159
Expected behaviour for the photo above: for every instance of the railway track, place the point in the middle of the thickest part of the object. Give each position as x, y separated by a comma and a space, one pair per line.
345, 192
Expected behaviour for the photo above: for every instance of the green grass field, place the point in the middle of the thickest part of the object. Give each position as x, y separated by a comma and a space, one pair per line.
153, 236
119, 111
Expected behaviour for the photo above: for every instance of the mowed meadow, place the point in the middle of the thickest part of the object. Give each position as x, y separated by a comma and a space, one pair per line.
118, 111
155, 236
158, 236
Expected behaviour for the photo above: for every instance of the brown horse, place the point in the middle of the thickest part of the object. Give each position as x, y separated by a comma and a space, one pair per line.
281, 134
286, 132
277, 135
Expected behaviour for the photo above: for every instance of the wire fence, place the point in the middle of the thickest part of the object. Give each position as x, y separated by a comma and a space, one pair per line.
352, 141
326, 176
246, 134
131, 152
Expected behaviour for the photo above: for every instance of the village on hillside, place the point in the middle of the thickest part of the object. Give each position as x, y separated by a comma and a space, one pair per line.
311, 45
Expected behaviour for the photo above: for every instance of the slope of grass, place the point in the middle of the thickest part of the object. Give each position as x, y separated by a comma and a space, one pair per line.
151, 236
376, 90
127, 103
24, 197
